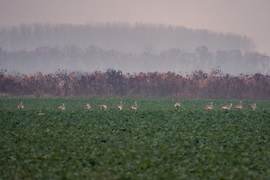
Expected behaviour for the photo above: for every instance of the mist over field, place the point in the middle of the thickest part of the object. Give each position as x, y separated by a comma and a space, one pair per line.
130, 48
135, 36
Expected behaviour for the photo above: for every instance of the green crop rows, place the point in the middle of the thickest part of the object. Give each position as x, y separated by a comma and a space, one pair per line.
155, 142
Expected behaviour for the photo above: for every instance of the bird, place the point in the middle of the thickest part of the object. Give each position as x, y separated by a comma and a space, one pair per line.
239, 106
209, 107
87, 106
21, 106
103, 107
119, 106
177, 105
227, 107
62, 107
252, 106
134, 107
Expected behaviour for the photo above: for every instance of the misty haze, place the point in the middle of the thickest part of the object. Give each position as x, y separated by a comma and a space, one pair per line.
141, 47
134, 89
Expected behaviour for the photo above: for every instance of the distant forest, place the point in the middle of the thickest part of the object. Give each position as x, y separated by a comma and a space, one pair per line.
122, 37
48, 60
130, 48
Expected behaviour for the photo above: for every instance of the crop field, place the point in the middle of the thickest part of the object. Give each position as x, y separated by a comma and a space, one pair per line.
154, 142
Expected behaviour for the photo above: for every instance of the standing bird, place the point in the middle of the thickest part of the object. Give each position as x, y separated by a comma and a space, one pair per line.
227, 107
103, 107
62, 107
177, 105
21, 106
209, 107
87, 106
239, 106
134, 107
119, 106
252, 106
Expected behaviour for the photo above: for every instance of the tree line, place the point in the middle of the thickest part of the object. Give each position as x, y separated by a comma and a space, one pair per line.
198, 84
48, 59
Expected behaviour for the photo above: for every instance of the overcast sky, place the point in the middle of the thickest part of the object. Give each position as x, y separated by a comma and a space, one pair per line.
243, 17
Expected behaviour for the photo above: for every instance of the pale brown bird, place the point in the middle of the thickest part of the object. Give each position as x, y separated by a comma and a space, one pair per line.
227, 107
103, 107
252, 106
209, 107
177, 105
21, 106
134, 107
87, 106
62, 107
239, 106
119, 106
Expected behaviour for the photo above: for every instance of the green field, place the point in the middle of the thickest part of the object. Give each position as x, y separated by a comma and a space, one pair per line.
155, 142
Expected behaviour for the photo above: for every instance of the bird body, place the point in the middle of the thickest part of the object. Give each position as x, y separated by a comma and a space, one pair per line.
239, 106
227, 107
103, 107
252, 106
119, 106
62, 107
177, 105
87, 106
134, 107
209, 107
21, 106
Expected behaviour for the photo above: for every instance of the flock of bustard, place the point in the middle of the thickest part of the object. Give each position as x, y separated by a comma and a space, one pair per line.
135, 106
228, 107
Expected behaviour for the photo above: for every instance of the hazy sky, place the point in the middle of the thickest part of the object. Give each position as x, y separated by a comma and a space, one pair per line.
244, 17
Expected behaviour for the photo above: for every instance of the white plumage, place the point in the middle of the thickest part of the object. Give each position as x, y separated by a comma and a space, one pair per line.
209, 107
21, 106
134, 107
103, 107
62, 107
119, 106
